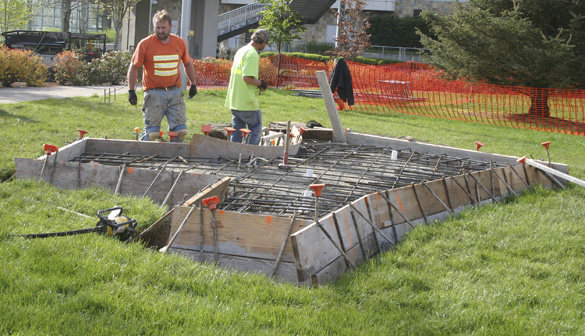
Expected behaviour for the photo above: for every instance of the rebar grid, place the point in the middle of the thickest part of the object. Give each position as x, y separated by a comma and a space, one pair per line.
267, 187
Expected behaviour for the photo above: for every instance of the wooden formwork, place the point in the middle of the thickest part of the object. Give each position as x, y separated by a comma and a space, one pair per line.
379, 221
293, 250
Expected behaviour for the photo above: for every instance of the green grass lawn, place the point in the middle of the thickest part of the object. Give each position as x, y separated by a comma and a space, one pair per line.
512, 268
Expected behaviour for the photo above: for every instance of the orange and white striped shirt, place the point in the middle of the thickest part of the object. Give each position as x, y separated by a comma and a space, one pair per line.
161, 61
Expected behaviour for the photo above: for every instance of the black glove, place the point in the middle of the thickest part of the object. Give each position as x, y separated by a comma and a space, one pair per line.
192, 91
263, 86
132, 97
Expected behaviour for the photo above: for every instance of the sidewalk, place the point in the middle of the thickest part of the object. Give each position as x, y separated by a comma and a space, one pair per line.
20, 94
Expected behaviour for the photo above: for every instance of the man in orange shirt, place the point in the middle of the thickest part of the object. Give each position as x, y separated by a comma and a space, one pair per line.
160, 54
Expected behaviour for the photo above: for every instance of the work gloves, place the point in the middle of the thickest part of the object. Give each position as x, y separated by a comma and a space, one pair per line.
263, 86
192, 91
132, 97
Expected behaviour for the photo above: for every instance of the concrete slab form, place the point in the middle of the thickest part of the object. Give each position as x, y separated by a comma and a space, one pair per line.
377, 189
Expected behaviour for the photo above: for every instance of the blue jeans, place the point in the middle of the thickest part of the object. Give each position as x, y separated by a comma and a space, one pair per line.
159, 104
253, 121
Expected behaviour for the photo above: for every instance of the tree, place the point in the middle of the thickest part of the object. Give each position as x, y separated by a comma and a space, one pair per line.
14, 14
524, 43
282, 23
118, 10
352, 37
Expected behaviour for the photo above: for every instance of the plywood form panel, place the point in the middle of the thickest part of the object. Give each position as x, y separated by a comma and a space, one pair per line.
241, 234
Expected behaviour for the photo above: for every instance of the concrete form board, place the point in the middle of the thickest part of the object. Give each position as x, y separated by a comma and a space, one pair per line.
286, 271
135, 181
208, 147
379, 141
316, 256
241, 234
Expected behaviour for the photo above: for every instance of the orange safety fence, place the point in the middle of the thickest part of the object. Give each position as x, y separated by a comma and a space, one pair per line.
418, 89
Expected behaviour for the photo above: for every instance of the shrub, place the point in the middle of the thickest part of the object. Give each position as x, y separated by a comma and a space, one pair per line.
114, 66
111, 68
21, 66
68, 68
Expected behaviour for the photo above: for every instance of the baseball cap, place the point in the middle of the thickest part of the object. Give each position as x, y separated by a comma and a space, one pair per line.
261, 35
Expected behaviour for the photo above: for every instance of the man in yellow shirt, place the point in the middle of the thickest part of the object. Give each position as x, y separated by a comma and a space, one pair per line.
241, 94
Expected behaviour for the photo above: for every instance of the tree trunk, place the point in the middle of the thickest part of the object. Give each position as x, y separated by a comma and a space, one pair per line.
118, 41
539, 103
66, 10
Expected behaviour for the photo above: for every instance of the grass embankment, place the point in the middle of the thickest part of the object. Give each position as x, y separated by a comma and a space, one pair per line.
514, 268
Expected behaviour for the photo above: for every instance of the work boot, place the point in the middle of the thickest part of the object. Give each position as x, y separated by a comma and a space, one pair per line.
153, 136
181, 135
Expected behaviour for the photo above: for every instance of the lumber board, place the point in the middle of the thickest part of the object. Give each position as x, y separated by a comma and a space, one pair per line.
318, 258
348, 232
332, 271
394, 143
286, 270
561, 175
162, 149
208, 147
313, 251
338, 132
135, 181
70, 151
242, 234
219, 189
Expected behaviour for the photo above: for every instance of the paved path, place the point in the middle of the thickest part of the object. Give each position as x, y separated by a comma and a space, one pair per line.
20, 94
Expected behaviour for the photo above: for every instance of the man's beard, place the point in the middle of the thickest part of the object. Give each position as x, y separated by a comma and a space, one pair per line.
162, 36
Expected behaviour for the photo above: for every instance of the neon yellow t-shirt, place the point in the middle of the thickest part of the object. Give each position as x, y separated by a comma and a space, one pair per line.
241, 95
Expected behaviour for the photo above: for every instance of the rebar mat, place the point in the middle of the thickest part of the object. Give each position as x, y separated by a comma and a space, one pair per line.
349, 172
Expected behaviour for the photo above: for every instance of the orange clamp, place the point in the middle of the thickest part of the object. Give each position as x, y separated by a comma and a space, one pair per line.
211, 202
522, 160
81, 132
205, 129
478, 145
245, 132
546, 144
50, 149
317, 188
229, 131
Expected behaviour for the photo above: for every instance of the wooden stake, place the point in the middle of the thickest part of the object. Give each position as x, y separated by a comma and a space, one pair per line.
281, 252
397, 210
422, 211
437, 197
164, 249
372, 225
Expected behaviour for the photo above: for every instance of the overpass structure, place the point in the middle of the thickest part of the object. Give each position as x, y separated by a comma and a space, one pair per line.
202, 27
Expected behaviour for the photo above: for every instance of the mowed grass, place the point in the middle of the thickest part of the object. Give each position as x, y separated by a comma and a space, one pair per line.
512, 268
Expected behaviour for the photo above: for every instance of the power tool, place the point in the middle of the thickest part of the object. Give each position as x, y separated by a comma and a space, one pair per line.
114, 225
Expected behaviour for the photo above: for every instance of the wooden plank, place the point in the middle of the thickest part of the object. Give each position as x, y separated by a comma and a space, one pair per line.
313, 251
318, 258
338, 267
219, 189
556, 173
208, 147
162, 149
74, 175
338, 132
385, 142
241, 234
71, 150
286, 270
348, 231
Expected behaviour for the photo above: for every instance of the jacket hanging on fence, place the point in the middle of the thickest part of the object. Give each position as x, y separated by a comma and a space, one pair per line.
341, 80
